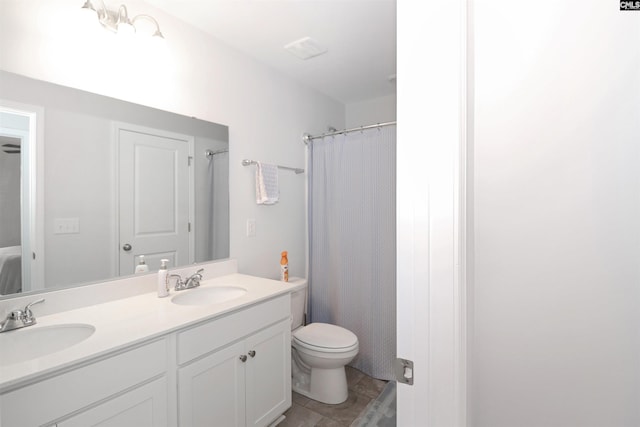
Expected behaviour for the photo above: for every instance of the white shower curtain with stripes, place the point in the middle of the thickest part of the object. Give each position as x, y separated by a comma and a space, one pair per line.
352, 252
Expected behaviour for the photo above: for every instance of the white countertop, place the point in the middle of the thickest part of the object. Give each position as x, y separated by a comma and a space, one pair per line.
125, 322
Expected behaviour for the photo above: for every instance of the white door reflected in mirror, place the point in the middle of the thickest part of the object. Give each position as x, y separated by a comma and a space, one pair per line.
153, 197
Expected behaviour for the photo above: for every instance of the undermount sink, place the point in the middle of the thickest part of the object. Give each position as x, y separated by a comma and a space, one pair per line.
209, 295
32, 342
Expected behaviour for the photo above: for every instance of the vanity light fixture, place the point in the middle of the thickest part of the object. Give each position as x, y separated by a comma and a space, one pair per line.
118, 21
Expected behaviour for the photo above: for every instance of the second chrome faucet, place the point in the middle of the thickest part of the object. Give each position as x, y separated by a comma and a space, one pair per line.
192, 281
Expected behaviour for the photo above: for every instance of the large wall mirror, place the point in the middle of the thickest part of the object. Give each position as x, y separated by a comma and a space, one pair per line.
91, 185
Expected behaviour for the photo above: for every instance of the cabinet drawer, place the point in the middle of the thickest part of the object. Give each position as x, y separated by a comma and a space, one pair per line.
73, 390
221, 331
145, 406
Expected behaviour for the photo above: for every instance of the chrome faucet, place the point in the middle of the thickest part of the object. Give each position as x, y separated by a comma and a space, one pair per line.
19, 318
192, 281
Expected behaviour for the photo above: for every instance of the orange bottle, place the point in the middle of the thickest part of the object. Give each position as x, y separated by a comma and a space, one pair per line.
284, 267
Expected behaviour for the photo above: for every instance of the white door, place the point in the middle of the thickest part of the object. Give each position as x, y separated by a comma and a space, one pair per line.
154, 200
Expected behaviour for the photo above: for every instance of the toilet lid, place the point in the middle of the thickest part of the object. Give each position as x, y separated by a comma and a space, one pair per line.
326, 336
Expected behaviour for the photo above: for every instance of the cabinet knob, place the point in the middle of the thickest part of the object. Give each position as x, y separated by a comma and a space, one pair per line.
243, 357
252, 353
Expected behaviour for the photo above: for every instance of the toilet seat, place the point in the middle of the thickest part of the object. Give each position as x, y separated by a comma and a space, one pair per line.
324, 337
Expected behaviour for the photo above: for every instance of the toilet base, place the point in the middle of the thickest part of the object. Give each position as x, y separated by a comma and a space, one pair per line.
324, 385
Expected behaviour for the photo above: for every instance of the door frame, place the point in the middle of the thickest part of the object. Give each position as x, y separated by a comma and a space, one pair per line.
433, 216
34, 217
115, 130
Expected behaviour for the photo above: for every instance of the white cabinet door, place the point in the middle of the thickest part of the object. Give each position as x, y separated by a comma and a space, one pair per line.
268, 380
145, 406
245, 384
211, 390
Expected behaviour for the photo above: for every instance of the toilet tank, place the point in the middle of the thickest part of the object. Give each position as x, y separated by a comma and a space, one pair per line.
298, 303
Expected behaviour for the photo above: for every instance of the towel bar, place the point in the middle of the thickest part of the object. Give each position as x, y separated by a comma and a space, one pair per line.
246, 162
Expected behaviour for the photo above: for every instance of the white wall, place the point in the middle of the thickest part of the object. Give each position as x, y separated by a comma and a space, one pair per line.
195, 75
371, 111
556, 307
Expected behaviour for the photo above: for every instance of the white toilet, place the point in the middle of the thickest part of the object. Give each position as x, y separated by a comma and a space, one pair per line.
319, 353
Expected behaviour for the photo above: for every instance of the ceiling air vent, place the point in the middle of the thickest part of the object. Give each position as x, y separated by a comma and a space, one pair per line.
305, 48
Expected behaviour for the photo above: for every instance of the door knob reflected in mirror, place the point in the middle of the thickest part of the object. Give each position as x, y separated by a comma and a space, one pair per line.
127, 247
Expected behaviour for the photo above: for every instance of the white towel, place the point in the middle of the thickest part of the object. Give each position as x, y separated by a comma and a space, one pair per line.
267, 191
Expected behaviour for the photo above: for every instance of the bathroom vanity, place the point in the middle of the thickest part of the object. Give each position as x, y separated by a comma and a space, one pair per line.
152, 361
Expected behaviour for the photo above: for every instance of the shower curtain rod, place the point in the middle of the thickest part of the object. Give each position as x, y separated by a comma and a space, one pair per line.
210, 153
306, 138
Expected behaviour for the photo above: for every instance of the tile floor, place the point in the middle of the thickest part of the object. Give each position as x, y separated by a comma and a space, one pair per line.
305, 412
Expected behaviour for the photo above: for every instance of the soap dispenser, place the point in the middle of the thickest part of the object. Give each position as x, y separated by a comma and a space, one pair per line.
163, 279
142, 267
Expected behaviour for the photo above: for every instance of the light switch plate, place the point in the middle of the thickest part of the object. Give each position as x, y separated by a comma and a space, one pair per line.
66, 226
251, 227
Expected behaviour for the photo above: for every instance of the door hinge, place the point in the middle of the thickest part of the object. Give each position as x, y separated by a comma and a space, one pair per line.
189, 227
404, 370
189, 158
